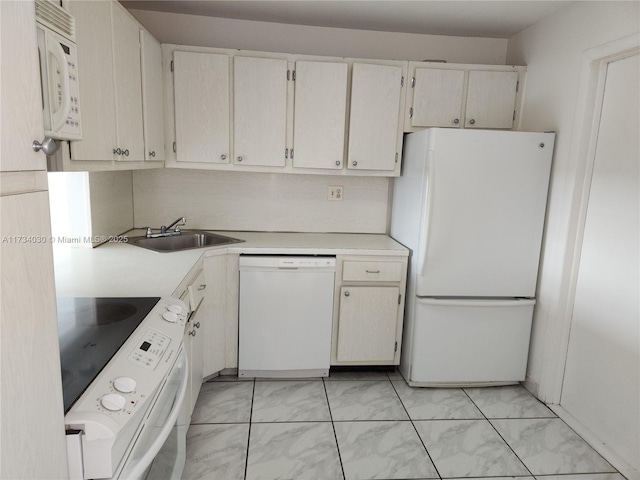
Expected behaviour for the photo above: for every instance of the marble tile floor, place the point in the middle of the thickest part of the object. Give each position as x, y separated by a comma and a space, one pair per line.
372, 425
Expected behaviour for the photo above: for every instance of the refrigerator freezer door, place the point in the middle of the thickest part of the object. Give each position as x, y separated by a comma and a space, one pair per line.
470, 342
482, 221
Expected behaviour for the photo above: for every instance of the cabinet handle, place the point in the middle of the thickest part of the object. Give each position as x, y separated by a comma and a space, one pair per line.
223, 157
456, 121
338, 163
472, 121
373, 271
346, 294
192, 333
48, 146
152, 154
125, 153
239, 159
117, 151
197, 325
202, 287
354, 163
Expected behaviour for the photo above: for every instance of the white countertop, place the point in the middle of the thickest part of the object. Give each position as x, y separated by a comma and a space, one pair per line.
123, 270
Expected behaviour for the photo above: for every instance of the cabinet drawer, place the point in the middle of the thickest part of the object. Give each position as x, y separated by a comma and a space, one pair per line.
372, 271
196, 290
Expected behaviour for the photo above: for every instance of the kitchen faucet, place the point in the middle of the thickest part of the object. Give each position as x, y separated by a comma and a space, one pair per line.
164, 230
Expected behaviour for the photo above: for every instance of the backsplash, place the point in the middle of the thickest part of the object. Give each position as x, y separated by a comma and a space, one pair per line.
259, 201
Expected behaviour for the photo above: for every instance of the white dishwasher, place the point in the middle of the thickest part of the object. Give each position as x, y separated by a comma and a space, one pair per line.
286, 311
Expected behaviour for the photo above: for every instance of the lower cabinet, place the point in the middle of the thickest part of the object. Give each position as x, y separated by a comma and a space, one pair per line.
368, 310
194, 297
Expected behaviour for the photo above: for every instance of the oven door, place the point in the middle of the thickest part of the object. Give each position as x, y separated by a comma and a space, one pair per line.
159, 451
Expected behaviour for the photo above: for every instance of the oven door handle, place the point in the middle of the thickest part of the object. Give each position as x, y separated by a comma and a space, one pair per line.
155, 447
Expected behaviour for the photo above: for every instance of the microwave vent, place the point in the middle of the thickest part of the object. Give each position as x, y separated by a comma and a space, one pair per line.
56, 18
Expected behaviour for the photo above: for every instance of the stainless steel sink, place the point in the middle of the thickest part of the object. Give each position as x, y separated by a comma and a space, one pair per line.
187, 240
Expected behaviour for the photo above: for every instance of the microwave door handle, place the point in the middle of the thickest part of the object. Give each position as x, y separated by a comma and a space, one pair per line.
60, 115
155, 447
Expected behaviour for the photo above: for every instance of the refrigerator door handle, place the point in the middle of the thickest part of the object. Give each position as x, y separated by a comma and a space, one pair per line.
461, 302
424, 231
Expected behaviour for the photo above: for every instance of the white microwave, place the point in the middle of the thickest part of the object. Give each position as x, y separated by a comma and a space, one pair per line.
58, 71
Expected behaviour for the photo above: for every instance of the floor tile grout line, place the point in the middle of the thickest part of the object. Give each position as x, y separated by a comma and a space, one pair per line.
246, 458
416, 430
333, 427
499, 434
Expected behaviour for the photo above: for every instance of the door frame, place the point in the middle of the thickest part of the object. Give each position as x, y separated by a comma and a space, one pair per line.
586, 125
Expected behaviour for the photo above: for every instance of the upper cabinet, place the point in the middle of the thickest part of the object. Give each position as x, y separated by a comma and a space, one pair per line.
283, 113
469, 96
122, 125
259, 111
201, 92
375, 129
320, 115
152, 111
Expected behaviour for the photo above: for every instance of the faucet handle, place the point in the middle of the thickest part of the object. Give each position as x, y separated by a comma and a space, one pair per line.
149, 232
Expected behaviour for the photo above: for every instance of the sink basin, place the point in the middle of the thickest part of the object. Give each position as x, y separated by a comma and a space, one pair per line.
187, 240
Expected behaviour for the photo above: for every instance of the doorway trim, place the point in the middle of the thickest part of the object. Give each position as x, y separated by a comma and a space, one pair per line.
586, 124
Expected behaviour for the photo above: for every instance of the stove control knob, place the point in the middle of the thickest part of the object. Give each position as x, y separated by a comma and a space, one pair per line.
177, 309
113, 402
124, 384
170, 317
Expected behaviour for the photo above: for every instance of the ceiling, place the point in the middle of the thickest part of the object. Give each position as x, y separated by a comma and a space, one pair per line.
479, 18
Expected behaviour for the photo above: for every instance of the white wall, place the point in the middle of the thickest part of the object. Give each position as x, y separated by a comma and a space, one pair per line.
182, 29
553, 52
259, 201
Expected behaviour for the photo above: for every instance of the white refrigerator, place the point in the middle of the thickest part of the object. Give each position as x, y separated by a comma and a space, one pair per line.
470, 205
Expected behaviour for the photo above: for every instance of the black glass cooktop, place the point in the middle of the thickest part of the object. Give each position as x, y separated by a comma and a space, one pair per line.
91, 330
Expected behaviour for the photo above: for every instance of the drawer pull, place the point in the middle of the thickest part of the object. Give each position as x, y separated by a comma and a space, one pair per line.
346, 294
192, 333
202, 287
373, 271
197, 324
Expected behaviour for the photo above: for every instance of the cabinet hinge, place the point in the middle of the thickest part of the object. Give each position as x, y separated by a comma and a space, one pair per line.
286, 153
517, 85
396, 157
293, 75
288, 75
172, 65
174, 147
411, 112
395, 347
399, 298
402, 81
514, 115
291, 151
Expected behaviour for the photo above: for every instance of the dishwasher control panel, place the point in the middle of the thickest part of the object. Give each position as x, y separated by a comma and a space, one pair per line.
305, 262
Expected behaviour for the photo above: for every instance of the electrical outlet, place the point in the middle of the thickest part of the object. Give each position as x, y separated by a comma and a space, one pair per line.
336, 192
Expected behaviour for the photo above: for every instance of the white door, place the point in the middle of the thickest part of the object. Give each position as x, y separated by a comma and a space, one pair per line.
491, 99
376, 94
152, 100
320, 111
601, 385
260, 111
128, 85
201, 92
484, 213
437, 98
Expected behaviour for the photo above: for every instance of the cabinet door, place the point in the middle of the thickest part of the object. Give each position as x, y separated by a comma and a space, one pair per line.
260, 111
201, 90
491, 99
21, 99
437, 98
152, 110
375, 108
214, 324
320, 111
367, 324
128, 84
96, 81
